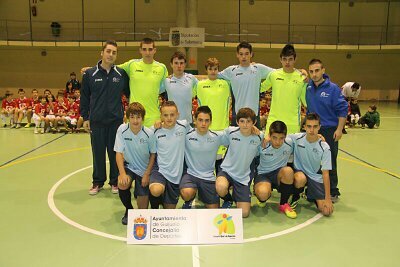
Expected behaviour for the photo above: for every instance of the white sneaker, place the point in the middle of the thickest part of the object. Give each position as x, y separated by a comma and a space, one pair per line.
42, 130
36, 130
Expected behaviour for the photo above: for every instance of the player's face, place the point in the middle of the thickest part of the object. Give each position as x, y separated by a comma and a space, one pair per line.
147, 51
135, 122
212, 72
316, 72
263, 103
43, 101
245, 125
312, 127
109, 54
35, 94
47, 93
244, 56
169, 115
288, 63
277, 139
21, 94
203, 122
77, 94
178, 66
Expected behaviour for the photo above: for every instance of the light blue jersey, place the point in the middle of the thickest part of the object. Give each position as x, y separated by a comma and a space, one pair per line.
241, 152
201, 153
170, 144
136, 148
272, 159
246, 84
180, 90
311, 158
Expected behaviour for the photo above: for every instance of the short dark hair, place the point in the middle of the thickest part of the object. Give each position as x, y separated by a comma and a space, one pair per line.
373, 107
135, 108
246, 113
34, 89
211, 62
179, 55
108, 42
168, 103
278, 127
244, 45
203, 109
315, 61
356, 86
73, 73
21, 90
41, 97
147, 40
287, 51
313, 117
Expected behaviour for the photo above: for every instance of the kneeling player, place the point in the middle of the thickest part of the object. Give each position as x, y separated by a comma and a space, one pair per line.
135, 155
200, 155
170, 143
312, 162
273, 171
235, 169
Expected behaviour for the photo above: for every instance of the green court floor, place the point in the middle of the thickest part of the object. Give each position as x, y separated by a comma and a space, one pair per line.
362, 231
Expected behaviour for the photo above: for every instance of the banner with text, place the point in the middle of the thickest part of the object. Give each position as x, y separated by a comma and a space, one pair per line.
186, 37
185, 226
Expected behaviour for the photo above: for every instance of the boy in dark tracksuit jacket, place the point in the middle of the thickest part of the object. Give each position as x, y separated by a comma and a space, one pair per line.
371, 118
355, 112
102, 112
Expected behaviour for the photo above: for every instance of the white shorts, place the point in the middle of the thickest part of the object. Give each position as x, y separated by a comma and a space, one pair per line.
50, 117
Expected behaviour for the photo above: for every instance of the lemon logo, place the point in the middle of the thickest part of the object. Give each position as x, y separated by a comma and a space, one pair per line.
225, 224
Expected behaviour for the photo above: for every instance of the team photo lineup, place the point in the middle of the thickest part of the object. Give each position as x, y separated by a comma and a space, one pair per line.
240, 131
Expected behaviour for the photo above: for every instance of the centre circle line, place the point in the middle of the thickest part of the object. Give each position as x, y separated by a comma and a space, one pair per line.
58, 213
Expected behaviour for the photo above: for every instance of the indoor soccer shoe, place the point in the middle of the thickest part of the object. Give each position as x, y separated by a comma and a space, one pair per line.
124, 219
261, 204
95, 189
293, 204
227, 205
114, 189
285, 208
187, 205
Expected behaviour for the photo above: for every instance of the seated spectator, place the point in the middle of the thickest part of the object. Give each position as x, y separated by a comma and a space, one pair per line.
39, 115
371, 118
355, 113
7, 109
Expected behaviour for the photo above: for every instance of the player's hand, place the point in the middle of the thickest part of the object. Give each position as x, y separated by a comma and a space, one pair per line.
337, 135
86, 126
145, 179
255, 130
304, 73
266, 140
123, 180
84, 69
157, 124
327, 207
321, 137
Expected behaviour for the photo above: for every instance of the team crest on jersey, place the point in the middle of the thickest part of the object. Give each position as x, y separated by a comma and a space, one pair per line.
115, 80
210, 140
179, 133
285, 152
156, 72
142, 141
253, 142
314, 150
140, 228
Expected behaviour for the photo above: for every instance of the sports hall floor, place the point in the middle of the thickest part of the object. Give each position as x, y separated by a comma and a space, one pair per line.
52, 173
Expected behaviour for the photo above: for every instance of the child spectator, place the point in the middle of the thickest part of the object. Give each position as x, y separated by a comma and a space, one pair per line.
39, 115
73, 113
61, 111
371, 118
50, 114
355, 113
7, 109
21, 106
31, 107
78, 105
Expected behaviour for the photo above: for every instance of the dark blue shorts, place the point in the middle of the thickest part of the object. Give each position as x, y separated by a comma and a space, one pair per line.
206, 188
270, 177
139, 189
171, 193
315, 190
241, 193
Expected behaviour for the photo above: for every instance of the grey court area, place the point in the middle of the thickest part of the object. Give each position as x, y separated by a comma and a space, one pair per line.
363, 230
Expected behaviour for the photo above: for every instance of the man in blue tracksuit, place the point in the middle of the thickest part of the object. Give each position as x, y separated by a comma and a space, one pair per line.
326, 99
102, 112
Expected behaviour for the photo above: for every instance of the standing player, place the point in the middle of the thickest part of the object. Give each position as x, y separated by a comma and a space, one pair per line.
273, 171
170, 143
325, 98
7, 109
135, 154
101, 109
312, 162
215, 93
145, 78
180, 87
288, 91
235, 169
245, 80
200, 155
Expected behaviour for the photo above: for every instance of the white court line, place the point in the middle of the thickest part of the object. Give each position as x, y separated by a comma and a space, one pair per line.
195, 249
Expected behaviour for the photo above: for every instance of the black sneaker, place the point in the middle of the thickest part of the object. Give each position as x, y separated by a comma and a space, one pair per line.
187, 204
335, 199
344, 131
124, 219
